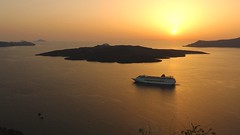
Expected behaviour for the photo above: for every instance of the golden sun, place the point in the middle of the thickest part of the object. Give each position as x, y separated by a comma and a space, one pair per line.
174, 31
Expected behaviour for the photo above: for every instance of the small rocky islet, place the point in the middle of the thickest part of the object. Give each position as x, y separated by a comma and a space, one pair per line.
119, 53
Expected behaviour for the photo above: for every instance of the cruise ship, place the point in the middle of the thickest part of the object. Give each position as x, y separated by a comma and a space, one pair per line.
162, 80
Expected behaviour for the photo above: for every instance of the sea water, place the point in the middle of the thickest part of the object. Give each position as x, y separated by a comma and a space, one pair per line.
92, 98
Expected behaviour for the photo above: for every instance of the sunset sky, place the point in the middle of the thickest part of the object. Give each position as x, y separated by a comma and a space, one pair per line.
101, 20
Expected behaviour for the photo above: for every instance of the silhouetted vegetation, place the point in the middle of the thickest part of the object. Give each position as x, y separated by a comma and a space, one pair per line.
193, 130
197, 130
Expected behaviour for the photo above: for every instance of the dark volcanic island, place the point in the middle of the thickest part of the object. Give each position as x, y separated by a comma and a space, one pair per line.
21, 43
234, 43
119, 54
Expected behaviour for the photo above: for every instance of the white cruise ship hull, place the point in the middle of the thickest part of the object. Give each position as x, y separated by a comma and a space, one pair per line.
155, 80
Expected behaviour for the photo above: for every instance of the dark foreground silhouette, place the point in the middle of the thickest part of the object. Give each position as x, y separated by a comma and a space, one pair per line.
217, 43
21, 43
119, 53
5, 131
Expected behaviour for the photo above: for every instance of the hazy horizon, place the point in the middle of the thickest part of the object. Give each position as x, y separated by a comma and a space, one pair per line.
113, 21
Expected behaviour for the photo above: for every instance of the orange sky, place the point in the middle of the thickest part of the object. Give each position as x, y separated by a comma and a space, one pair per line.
109, 20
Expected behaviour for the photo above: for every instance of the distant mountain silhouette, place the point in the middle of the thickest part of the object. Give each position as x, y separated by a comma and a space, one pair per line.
21, 43
217, 43
119, 53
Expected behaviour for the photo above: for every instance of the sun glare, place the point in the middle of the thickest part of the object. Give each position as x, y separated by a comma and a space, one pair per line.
174, 31
174, 24
171, 23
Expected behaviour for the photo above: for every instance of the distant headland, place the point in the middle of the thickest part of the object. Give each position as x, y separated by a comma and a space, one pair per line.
21, 43
234, 43
118, 53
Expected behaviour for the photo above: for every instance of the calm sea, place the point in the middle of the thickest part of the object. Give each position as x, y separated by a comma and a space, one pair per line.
92, 98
